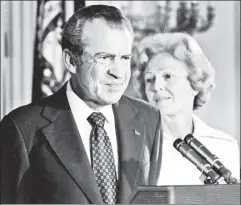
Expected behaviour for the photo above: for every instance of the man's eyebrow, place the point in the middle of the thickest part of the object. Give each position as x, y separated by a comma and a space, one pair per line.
127, 55
110, 54
103, 53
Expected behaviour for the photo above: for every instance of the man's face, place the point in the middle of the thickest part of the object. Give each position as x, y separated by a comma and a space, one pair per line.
104, 72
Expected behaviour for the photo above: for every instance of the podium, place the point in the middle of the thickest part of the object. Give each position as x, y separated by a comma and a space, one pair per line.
188, 194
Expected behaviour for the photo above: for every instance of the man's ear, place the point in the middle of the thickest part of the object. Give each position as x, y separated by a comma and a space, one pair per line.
69, 61
194, 93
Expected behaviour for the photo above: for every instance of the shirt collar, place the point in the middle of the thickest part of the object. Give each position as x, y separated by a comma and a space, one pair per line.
200, 128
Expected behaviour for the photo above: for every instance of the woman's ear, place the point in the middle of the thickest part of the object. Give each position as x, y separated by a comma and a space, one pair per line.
68, 61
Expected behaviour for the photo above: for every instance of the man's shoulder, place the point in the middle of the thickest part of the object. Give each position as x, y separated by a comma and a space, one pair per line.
144, 107
25, 110
140, 103
29, 112
34, 109
26, 113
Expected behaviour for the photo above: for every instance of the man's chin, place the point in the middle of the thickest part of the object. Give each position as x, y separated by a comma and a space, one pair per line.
111, 99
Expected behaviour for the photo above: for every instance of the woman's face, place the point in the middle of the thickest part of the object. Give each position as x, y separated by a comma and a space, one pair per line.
167, 86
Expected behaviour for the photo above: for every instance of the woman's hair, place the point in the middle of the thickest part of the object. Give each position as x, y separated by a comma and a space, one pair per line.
182, 47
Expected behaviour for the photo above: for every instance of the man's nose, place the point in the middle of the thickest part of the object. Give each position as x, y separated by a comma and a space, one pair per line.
117, 69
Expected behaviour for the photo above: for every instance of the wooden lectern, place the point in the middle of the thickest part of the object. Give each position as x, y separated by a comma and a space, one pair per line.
188, 194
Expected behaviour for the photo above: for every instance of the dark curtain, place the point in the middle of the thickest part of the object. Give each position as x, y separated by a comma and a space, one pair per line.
48, 73
78, 4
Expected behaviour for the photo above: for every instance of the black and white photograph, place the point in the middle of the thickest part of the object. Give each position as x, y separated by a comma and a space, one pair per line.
120, 102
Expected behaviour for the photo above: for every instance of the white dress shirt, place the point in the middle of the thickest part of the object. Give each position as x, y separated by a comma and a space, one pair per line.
177, 170
81, 111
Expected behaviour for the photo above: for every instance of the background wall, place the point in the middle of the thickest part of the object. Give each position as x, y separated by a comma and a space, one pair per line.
17, 40
221, 44
18, 24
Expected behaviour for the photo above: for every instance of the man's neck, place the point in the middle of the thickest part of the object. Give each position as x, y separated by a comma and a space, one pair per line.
79, 92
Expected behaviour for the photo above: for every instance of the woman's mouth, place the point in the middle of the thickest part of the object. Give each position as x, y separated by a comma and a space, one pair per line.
162, 98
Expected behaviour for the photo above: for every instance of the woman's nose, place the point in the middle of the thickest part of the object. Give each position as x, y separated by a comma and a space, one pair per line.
158, 85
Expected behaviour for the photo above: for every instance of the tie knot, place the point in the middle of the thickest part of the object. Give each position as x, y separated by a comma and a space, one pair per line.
96, 119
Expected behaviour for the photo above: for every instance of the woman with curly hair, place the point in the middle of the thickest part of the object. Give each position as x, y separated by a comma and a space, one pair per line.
172, 73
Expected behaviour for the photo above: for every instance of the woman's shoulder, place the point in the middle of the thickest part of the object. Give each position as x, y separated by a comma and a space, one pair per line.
204, 131
218, 142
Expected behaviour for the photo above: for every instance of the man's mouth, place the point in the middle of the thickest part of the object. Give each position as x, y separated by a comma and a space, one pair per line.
115, 84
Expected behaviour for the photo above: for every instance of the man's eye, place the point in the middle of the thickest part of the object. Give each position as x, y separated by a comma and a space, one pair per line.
167, 76
104, 57
126, 57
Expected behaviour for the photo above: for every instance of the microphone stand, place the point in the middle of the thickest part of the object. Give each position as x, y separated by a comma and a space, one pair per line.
207, 179
218, 167
210, 180
210, 174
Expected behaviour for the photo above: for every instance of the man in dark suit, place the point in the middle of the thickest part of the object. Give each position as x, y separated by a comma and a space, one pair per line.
87, 143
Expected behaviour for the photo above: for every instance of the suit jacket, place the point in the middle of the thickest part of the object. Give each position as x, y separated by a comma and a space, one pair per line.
43, 159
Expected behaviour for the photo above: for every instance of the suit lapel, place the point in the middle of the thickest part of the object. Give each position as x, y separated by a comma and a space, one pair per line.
131, 137
63, 136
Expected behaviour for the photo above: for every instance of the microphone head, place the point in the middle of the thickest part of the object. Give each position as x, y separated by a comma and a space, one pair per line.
177, 143
188, 138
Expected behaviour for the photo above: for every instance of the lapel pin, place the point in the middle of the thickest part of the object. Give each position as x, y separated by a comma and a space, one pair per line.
136, 132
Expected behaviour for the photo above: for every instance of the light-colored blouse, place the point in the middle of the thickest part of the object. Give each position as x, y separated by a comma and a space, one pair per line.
177, 170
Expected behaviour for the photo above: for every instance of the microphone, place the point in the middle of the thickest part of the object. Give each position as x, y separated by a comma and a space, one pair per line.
211, 158
193, 157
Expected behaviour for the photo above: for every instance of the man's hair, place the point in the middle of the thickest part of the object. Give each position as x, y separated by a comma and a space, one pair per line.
73, 29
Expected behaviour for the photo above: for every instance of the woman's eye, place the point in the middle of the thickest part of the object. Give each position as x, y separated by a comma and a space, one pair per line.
104, 57
149, 80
